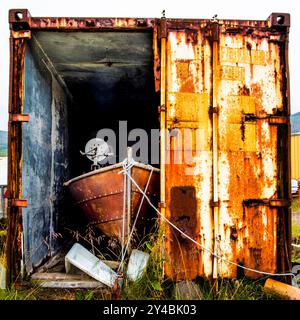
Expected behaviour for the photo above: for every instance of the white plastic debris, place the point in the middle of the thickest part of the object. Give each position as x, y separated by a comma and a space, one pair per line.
91, 265
2, 277
137, 264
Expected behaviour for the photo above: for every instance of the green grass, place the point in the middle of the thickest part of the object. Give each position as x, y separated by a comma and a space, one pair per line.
295, 205
151, 286
295, 230
295, 257
21, 294
3, 233
242, 289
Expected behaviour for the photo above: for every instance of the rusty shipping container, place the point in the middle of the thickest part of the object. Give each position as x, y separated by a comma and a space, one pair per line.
225, 82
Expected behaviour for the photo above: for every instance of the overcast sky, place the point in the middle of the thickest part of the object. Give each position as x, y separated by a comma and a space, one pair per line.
230, 9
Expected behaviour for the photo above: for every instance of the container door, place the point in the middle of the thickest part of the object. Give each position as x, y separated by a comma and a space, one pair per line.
188, 168
225, 179
252, 121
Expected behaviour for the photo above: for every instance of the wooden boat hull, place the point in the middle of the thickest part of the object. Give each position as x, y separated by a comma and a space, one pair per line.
100, 196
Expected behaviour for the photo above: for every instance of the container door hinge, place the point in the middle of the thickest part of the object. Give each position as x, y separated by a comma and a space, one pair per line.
21, 34
22, 203
214, 203
213, 110
17, 117
275, 203
162, 205
161, 108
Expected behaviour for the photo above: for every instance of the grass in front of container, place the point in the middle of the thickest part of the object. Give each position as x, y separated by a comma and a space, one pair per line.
233, 289
295, 256
295, 231
295, 205
151, 286
30, 293
14, 293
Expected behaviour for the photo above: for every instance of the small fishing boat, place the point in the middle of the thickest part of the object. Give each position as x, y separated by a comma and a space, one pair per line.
100, 196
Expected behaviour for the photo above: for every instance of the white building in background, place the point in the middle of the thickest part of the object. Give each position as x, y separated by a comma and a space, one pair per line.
3, 170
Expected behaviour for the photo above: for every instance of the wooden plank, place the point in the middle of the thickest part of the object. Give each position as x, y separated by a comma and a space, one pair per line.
72, 284
63, 280
59, 276
282, 289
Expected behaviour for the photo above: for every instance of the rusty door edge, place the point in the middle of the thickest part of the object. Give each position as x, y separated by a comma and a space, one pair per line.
14, 178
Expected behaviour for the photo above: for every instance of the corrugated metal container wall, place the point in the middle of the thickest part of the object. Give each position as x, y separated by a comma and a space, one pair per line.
224, 102
295, 155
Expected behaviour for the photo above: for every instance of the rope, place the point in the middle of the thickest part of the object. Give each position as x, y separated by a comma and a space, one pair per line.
194, 241
123, 222
125, 172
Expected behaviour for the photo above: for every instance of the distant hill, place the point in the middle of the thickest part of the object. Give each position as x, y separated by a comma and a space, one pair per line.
295, 122
3, 143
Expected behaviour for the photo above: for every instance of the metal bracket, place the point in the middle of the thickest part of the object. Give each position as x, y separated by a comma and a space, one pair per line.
214, 203
281, 203
273, 120
22, 203
161, 108
19, 19
17, 117
277, 19
275, 203
213, 110
21, 34
162, 205
163, 28
214, 31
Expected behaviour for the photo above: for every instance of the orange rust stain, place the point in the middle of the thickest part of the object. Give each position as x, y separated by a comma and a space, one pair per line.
156, 54
183, 257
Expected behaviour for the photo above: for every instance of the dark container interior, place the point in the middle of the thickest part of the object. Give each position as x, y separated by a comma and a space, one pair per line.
76, 83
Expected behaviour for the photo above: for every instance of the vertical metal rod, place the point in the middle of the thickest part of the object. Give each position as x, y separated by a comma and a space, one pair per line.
163, 126
287, 159
215, 156
128, 196
163, 85
123, 222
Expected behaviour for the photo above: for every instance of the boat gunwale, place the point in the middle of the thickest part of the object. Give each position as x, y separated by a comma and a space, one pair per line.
109, 168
